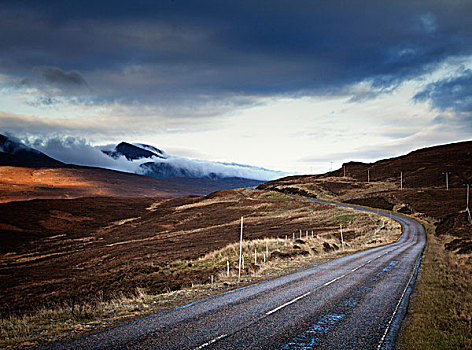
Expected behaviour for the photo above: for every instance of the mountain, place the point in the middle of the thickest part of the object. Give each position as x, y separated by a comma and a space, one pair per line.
156, 163
134, 152
26, 173
14, 153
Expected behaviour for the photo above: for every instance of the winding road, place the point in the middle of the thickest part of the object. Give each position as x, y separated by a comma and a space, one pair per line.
352, 302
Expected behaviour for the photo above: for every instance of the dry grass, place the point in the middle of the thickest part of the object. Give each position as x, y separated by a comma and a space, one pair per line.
440, 315
52, 324
46, 323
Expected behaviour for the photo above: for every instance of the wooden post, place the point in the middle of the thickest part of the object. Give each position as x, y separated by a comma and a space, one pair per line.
240, 249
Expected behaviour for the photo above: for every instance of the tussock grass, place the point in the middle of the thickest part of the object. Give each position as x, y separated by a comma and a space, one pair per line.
51, 324
262, 256
440, 314
24, 331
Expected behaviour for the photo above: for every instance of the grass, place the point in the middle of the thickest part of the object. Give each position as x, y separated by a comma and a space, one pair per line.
25, 330
343, 218
274, 196
52, 324
440, 315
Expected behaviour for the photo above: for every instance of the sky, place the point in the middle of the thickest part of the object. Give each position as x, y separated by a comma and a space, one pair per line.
295, 86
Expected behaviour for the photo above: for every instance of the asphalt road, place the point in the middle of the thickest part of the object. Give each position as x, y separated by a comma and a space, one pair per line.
352, 302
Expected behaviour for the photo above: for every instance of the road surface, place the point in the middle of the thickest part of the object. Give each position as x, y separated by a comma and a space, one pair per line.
352, 302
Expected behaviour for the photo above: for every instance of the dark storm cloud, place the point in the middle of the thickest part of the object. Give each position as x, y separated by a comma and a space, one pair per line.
57, 76
453, 93
161, 51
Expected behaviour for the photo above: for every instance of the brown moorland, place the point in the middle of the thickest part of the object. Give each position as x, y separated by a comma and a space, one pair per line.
62, 250
424, 190
439, 315
25, 183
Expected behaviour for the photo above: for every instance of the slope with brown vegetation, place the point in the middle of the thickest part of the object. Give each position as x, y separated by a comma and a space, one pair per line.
75, 249
424, 190
84, 270
440, 315
22, 183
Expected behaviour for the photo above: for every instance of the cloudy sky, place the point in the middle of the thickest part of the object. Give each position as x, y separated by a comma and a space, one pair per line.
287, 85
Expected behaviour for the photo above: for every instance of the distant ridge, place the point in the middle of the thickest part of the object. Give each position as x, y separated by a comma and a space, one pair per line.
14, 153
26, 173
420, 168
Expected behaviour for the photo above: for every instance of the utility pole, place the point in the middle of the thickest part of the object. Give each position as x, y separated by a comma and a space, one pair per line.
342, 240
447, 179
368, 175
401, 180
344, 168
240, 249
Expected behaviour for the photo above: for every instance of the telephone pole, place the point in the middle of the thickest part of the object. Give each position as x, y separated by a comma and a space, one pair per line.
401, 180
368, 175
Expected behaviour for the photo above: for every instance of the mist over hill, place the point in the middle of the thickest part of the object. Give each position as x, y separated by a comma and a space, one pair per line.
142, 159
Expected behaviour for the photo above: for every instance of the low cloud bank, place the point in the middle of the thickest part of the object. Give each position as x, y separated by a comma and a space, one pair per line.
79, 151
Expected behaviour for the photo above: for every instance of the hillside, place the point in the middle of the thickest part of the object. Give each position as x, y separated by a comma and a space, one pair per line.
13, 153
26, 183
424, 189
26, 173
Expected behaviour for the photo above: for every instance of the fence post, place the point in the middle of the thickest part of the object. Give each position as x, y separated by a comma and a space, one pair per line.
240, 249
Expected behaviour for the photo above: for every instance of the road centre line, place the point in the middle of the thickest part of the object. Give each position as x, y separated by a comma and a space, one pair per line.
288, 303
211, 341
325, 284
300, 297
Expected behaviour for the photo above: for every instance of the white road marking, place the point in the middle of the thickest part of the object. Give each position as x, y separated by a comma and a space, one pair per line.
355, 269
288, 303
211, 341
328, 283
396, 307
